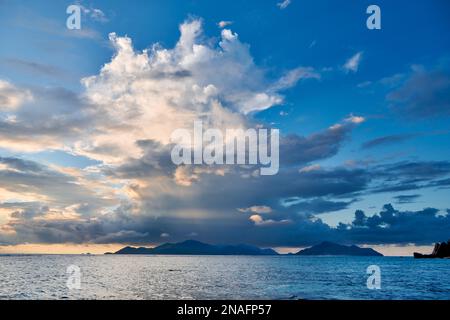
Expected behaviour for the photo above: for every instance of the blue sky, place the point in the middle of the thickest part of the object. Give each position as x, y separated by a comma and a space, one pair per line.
396, 153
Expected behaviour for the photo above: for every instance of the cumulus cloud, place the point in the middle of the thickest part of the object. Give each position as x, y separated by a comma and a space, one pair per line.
124, 119
145, 96
148, 94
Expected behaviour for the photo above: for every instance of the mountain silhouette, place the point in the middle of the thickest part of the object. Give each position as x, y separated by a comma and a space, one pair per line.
333, 249
193, 247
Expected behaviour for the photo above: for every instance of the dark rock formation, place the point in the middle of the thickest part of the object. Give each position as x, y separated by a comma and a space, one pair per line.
441, 250
327, 248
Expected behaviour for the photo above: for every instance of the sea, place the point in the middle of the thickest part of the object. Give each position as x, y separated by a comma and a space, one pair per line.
222, 277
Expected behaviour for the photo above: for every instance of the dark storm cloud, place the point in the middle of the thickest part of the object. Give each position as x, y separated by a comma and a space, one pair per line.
418, 169
407, 198
156, 161
392, 226
28, 177
216, 193
30, 212
238, 187
51, 116
398, 187
318, 206
21, 164
294, 151
169, 209
298, 150
424, 94
443, 183
407, 176
302, 229
310, 193
389, 226
163, 210
387, 140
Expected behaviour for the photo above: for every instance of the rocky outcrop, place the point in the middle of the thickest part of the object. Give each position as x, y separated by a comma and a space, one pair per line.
441, 250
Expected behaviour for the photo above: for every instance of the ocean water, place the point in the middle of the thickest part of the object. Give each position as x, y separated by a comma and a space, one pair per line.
221, 277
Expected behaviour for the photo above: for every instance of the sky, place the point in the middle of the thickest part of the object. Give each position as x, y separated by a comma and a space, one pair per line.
86, 118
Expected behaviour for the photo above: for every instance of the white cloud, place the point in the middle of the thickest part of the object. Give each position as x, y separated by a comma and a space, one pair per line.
291, 78
311, 168
355, 119
12, 97
94, 13
257, 209
364, 84
256, 218
223, 23
259, 221
284, 4
148, 94
352, 64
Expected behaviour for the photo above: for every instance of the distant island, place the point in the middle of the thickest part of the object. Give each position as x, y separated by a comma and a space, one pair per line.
193, 247
327, 248
441, 250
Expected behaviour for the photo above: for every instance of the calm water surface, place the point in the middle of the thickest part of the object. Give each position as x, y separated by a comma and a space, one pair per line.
221, 277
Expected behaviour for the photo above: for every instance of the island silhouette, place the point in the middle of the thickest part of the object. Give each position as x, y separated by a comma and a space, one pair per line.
193, 247
328, 248
441, 250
